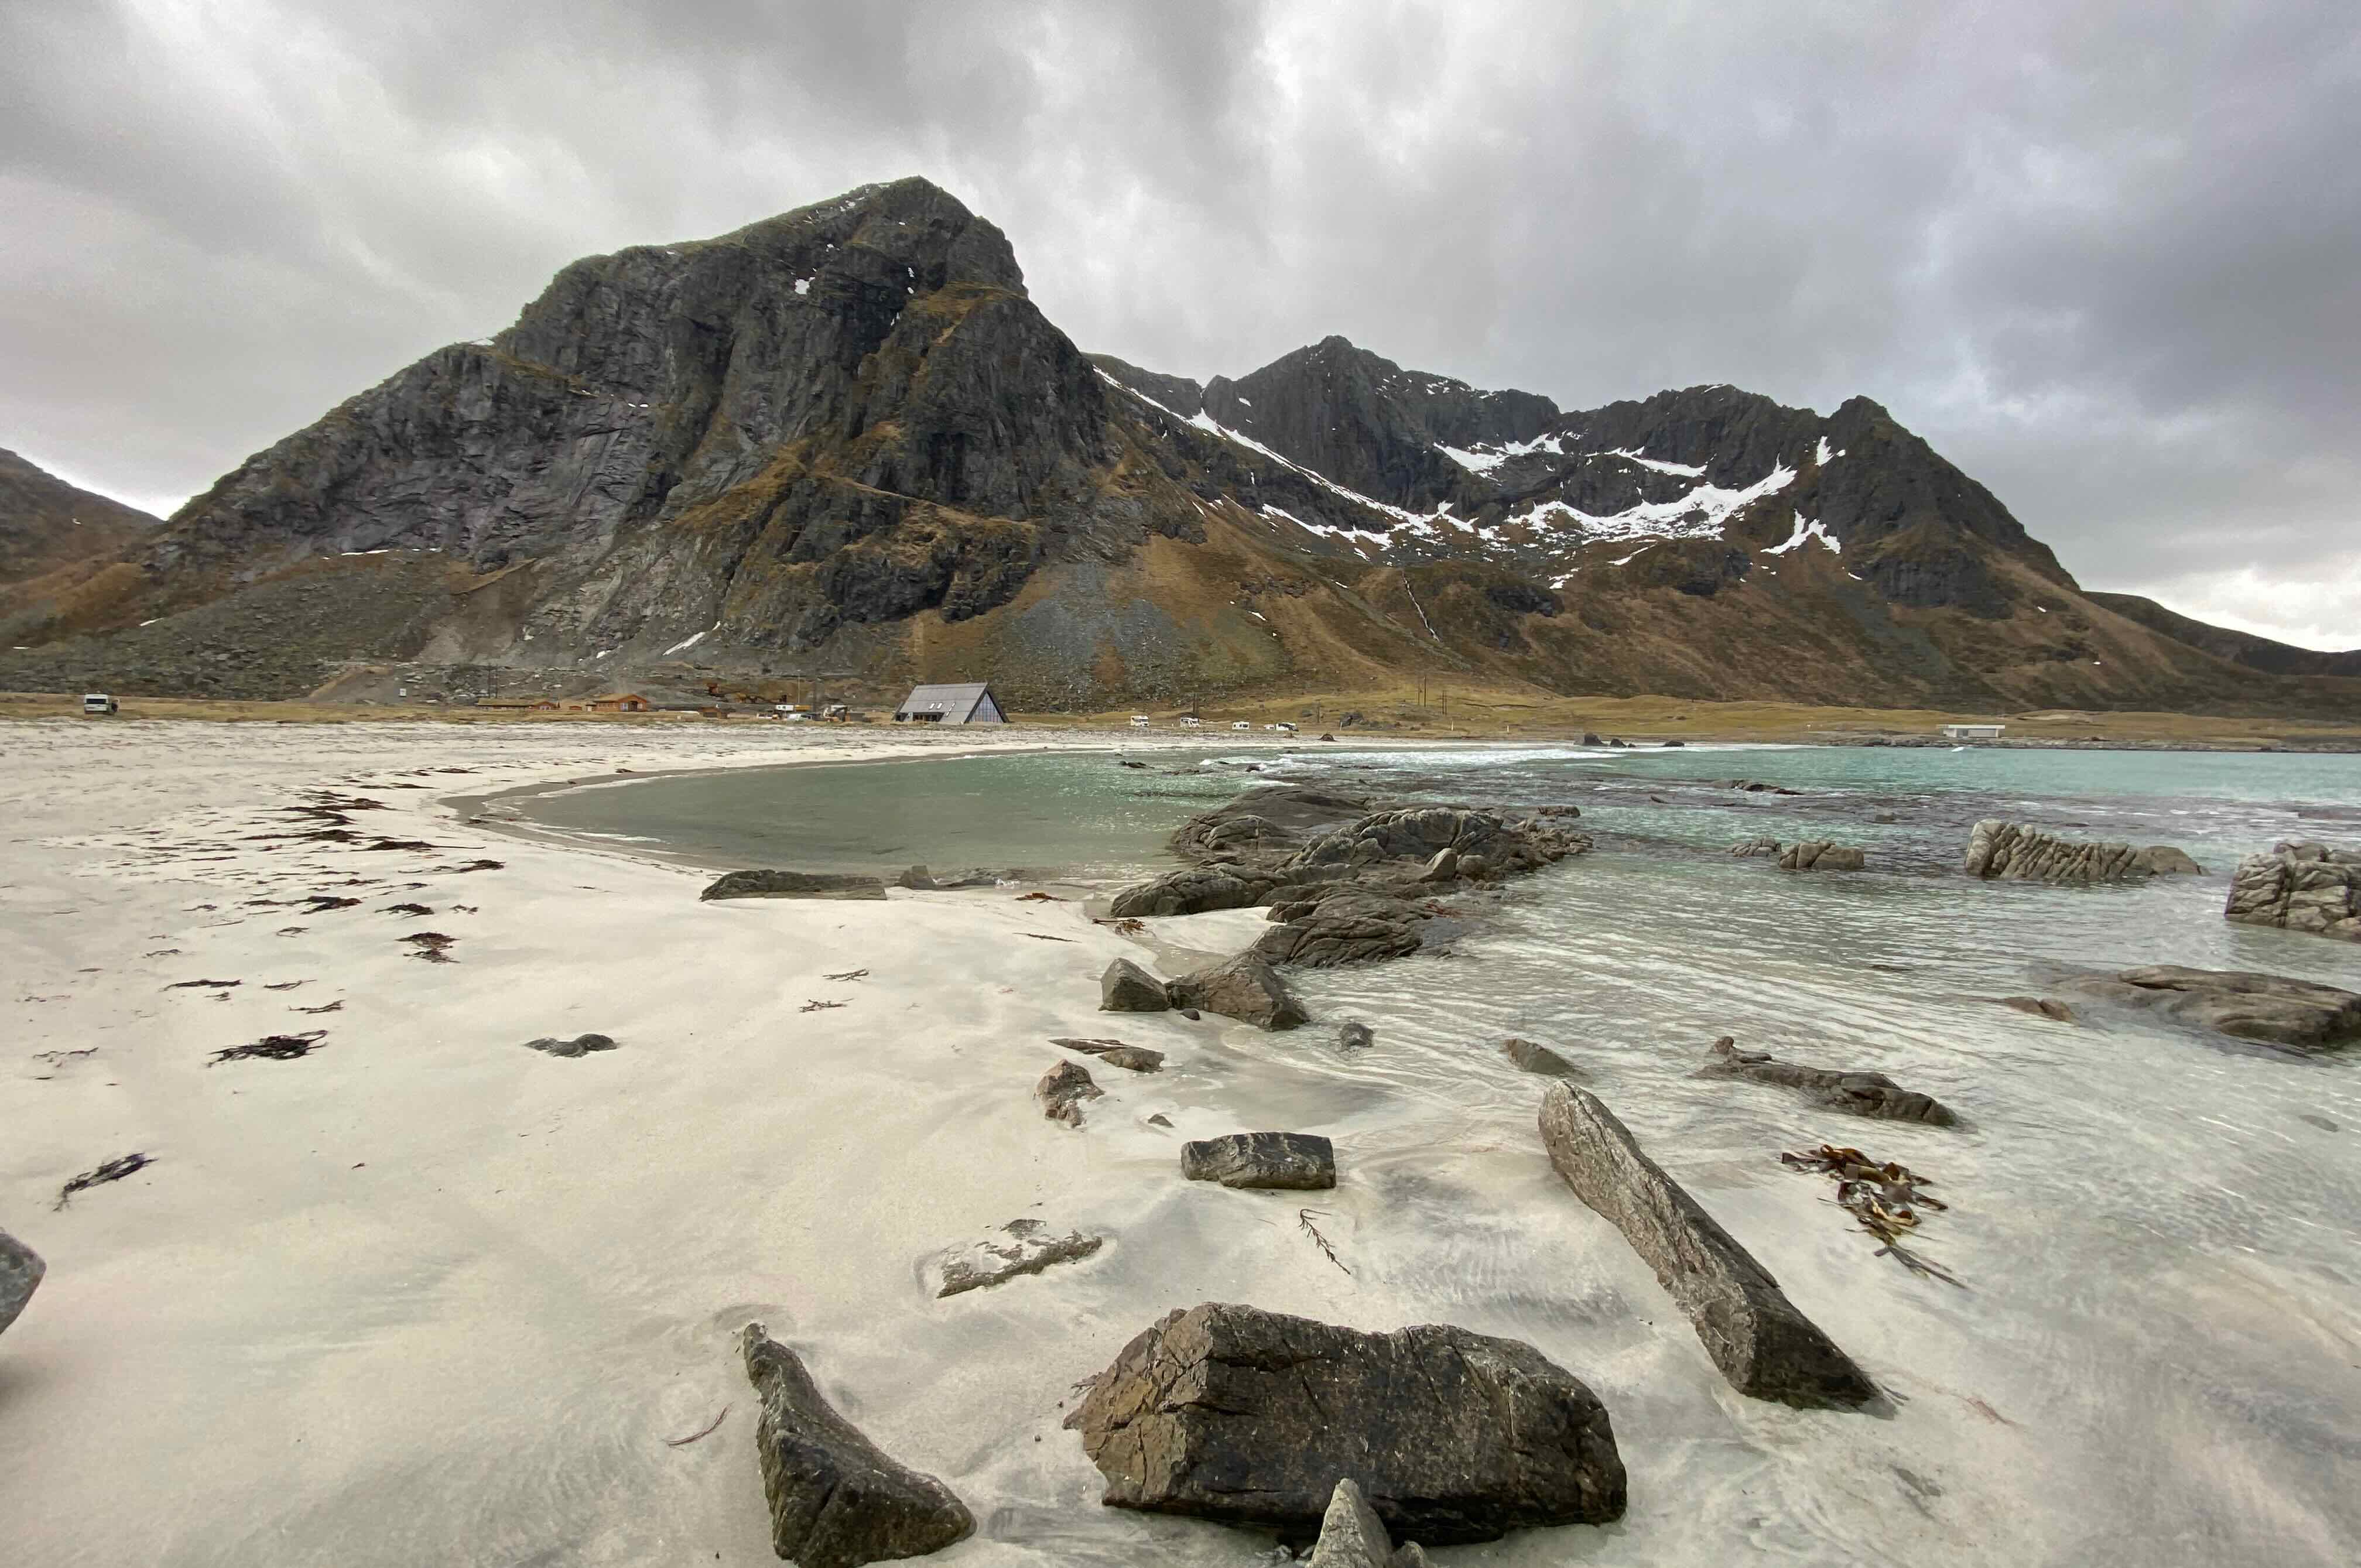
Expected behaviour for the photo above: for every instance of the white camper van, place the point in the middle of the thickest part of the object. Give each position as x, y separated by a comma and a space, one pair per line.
96, 704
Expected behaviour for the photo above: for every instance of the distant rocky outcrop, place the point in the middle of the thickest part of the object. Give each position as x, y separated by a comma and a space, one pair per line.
1855, 1094
792, 885
1250, 1418
2280, 1011
1820, 855
2009, 851
837, 1500
2300, 887
21, 1269
1762, 1342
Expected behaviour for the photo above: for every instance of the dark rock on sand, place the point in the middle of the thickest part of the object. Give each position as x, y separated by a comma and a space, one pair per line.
20, 1275
1127, 988
793, 884
1820, 855
1303, 1161
1353, 1536
2008, 852
1020, 1246
2300, 887
1764, 1345
2040, 1007
837, 1500
2272, 1008
1063, 1090
580, 1046
1191, 892
1115, 1052
1355, 1036
1538, 1059
1857, 1093
917, 878
1245, 988
1250, 1418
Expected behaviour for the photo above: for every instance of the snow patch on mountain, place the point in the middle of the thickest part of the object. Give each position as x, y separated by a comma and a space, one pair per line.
1686, 470
1487, 456
1806, 531
1699, 514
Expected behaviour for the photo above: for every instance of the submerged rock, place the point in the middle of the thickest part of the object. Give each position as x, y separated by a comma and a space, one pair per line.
837, 1500
793, 884
1294, 1161
1820, 855
2299, 1013
1245, 988
1115, 1052
580, 1046
1766, 1347
1063, 1090
1856, 1093
1538, 1059
1127, 988
2040, 1007
1250, 1418
2008, 852
2300, 887
1353, 1536
1344, 923
20, 1275
1355, 1036
1020, 1246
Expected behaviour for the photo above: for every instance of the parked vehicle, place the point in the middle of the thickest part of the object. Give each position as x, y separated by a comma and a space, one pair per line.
98, 705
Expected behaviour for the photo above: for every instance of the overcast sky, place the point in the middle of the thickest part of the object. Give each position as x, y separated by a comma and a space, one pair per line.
2107, 257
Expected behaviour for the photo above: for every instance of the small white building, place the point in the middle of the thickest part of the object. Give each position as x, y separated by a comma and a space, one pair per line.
1973, 731
972, 703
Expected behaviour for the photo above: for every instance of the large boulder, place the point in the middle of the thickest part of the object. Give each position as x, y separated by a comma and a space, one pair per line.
1353, 1536
2299, 1013
1820, 855
1018, 1247
1855, 1094
20, 1275
1764, 1345
2009, 851
1421, 833
1344, 923
1245, 988
792, 885
1271, 821
1193, 892
837, 1500
1250, 1418
1127, 988
2300, 887
1297, 1161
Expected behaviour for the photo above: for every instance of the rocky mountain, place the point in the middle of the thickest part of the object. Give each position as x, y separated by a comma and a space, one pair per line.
2238, 647
844, 442
53, 537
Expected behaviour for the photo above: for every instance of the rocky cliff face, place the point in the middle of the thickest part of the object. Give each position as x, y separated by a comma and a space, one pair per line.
844, 441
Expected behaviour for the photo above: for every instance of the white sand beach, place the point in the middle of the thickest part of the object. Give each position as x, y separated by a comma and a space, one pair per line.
425, 1296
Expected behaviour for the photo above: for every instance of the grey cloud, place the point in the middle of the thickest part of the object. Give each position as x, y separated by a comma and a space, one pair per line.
2100, 255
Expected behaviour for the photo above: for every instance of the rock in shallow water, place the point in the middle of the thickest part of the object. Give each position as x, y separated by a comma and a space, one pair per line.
793, 884
1999, 850
1289, 1160
1127, 988
1063, 1090
1538, 1059
1020, 1246
1353, 1536
1820, 855
1115, 1052
837, 1500
20, 1275
1855, 1094
2239, 1003
1764, 1345
1245, 988
2300, 887
1246, 1417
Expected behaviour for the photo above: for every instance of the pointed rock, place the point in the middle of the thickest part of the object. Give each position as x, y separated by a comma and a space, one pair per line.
1245, 988
837, 1500
1764, 1345
1127, 988
1353, 1536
